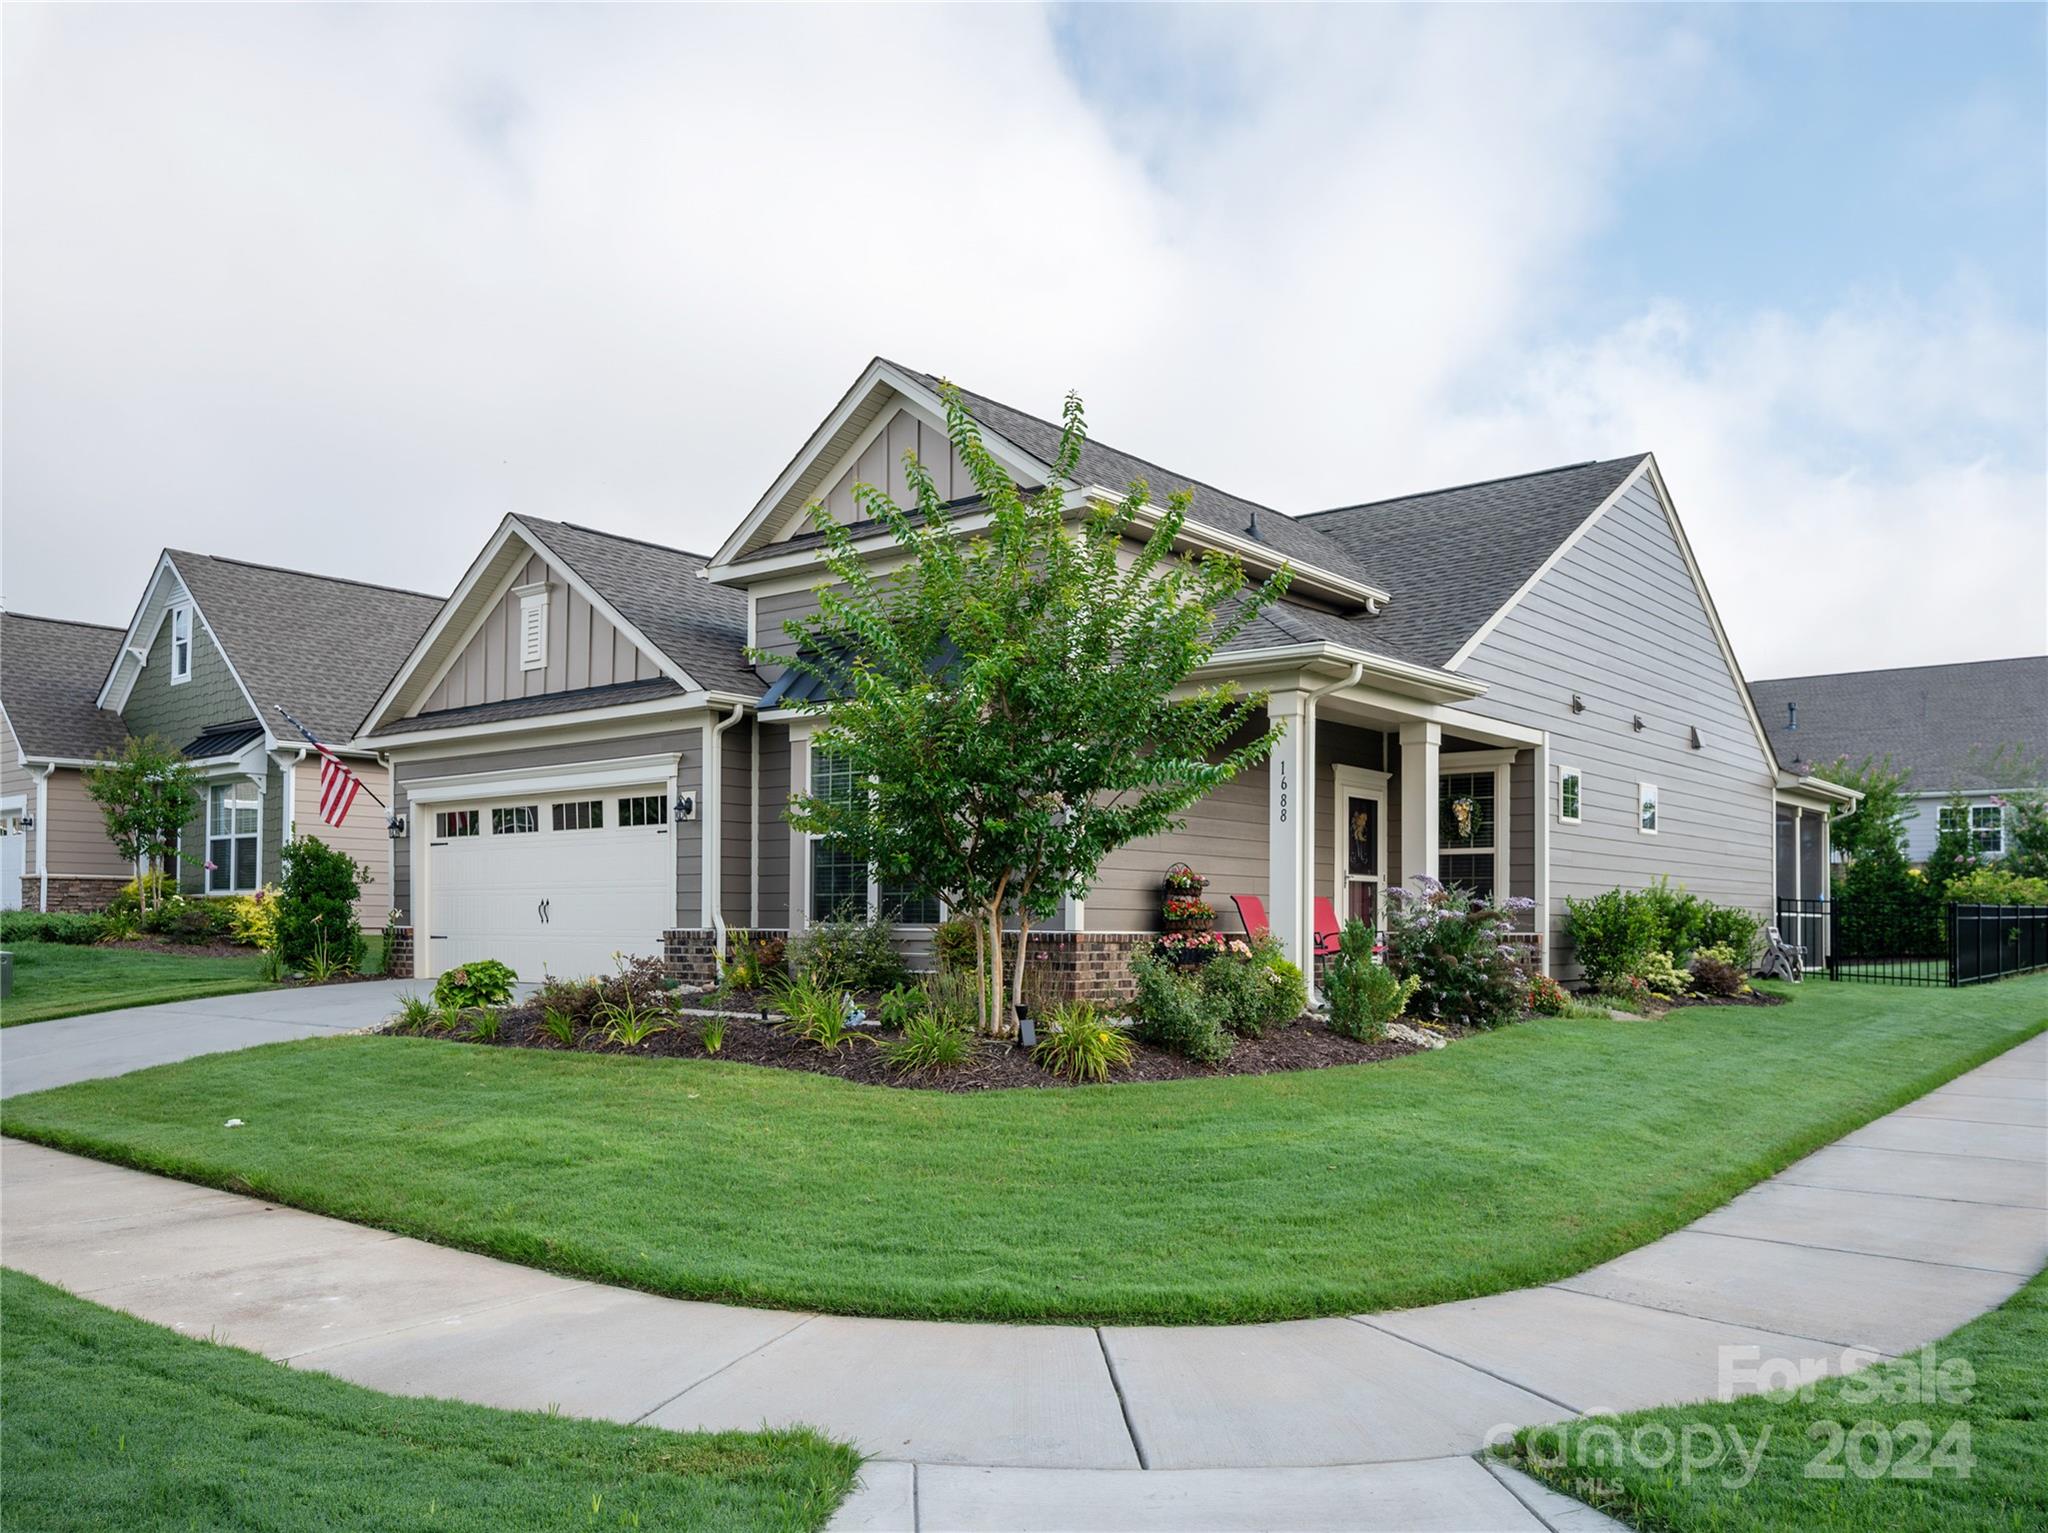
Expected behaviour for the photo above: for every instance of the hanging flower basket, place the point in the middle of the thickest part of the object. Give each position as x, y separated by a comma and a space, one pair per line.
1182, 879
1189, 949
1187, 913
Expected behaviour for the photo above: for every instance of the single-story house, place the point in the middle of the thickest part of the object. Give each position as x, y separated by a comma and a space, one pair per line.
1519, 685
1960, 730
216, 647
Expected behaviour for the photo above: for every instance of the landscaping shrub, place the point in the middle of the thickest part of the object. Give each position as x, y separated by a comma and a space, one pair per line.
250, 919
640, 982
847, 953
1237, 984
930, 1042
750, 961
128, 902
484, 982
1458, 949
1674, 914
815, 1012
316, 905
1611, 933
1998, 886
69, 927
898, 1005
950, 997
188, 924
953, 942
1079, 1045
1175, 1012
1731, 927
1547, 997
1661, 976
1715, 971
1364, 994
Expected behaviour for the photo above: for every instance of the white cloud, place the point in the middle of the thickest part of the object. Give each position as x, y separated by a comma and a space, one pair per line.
338, 287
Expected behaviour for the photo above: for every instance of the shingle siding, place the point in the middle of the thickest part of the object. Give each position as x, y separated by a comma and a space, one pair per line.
1619, 622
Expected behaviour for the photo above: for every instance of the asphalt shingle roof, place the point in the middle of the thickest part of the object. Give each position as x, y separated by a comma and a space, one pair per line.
1941, 721
322, 647
50, 675
701, 627
1452, 558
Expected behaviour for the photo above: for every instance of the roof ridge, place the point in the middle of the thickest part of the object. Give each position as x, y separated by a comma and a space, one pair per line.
68, 622
286, 569
1893, 670
626, 537
1452, 489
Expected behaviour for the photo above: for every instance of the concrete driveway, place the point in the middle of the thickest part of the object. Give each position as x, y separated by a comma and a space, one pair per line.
42, 1054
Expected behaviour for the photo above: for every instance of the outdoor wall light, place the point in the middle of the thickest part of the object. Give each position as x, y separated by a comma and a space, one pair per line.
394, 827
1695, 741
28, 822
1636, 723
686, 806
1578, 703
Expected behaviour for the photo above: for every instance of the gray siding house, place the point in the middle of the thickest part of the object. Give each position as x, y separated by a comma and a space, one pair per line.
1520, 686
54, 852
1977, 730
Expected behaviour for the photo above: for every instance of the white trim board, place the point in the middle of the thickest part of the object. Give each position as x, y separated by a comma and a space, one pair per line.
545, 780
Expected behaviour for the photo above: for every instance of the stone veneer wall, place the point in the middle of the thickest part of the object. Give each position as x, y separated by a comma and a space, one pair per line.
70, 891
398, 953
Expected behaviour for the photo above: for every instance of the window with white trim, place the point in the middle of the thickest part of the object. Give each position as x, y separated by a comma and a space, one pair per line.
451, 824
1646, 808
584, 814
1568, 791
533, 627
1987, 828
520, 820
644, 809
181, 644
839, 880
234, 812
1468, 829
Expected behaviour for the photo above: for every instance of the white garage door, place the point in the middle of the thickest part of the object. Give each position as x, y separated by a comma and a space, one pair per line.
550, 883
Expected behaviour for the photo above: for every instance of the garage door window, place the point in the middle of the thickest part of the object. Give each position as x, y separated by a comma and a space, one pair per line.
519, 821
585, 814
648, 809
451, 823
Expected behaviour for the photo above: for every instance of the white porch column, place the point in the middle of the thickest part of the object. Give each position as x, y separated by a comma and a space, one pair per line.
1421, 744
1541, 914
1287, 779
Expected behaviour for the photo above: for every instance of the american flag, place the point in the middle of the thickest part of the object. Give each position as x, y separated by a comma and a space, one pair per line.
338, 785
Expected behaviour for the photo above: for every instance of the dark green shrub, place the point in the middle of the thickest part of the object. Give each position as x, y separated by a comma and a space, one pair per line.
953, 942
316, 905
1236, 987
1611, 934
1364, 994
1676, 916
69, 927
1175, 1012
1732, 927
845, 952
482, 982
189, 925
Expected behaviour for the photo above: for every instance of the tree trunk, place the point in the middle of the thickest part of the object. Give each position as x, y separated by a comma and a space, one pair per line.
980, 980
1023, 947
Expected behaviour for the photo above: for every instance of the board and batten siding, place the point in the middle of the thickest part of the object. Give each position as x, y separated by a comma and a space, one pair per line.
583, 650
1619, 621
881, 464
685, 742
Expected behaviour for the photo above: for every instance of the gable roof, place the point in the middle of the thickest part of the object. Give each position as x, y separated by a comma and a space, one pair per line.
1937, 720
50, 675
321, 646
1455, 557
699, 626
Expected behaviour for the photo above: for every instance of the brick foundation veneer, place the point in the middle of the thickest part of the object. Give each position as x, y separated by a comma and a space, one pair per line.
70, 891
1085, 966
398, 953
690, 956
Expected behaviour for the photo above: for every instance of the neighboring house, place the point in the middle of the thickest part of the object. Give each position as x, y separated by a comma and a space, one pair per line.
54, 852
1959, 729
215, 648
1520, 686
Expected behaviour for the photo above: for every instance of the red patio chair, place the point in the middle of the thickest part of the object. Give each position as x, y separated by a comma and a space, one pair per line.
1252, 911
1326, 926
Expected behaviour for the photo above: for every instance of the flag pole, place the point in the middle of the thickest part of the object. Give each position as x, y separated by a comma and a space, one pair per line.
312, 741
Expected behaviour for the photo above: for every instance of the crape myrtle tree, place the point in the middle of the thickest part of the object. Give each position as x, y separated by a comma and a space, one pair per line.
146, 792
1012, 696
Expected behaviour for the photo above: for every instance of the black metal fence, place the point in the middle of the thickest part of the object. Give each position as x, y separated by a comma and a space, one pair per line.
1916, 942
1992, 941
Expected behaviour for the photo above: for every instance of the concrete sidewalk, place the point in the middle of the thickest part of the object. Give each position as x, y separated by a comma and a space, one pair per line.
1886, 1240
38, 1055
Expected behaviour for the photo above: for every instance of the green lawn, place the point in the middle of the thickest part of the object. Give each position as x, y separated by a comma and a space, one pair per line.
1505, 1160
1894, 1421
60, 979
114, 1423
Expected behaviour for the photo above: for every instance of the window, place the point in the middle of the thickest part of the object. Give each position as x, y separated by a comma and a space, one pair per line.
1467, 824
905, 906
839, 880
1987, 829
519, 821
1568, 795
1646, 803
451, 823
649, 809
181, 644
533, 626
585, 814
233, 813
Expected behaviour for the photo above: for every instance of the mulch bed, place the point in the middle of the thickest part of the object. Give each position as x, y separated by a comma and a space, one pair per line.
1305, 1044
1685, 1003
179, 949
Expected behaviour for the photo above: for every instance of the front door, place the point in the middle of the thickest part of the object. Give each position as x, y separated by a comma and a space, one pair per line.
1361, 851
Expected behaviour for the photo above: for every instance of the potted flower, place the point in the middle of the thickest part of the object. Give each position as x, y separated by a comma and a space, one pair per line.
1191, 947
1188, 913
1182, 879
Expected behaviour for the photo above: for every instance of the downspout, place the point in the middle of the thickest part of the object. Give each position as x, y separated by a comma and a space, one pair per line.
1306, 936
754, 829
43, 838
714, 903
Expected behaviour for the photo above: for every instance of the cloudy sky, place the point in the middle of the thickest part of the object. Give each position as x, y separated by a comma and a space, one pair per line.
336, 288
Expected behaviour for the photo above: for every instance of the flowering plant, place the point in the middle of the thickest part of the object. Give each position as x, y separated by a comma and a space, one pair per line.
1187, 907
1459, 952
1200, 944
1182, 879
